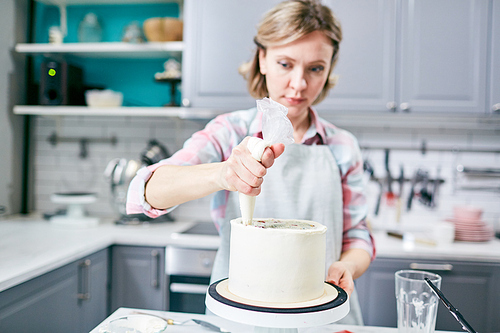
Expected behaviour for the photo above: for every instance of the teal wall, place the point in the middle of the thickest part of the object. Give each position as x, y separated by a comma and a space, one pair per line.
133, 77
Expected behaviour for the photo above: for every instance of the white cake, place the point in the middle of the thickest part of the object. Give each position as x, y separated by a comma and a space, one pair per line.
277, 261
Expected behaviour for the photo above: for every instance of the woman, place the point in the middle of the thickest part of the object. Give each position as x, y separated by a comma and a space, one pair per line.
318, 178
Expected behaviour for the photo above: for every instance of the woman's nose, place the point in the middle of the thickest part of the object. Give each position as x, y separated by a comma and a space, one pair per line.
298, 80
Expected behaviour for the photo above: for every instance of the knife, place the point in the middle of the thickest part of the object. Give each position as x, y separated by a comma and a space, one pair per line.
208, 325
453, 310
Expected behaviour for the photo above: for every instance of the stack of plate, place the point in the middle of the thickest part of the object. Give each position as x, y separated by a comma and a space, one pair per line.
469, 226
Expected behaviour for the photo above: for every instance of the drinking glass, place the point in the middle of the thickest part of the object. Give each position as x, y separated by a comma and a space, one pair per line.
416, 303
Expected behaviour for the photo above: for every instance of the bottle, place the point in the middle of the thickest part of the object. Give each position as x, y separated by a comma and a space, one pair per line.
89, 30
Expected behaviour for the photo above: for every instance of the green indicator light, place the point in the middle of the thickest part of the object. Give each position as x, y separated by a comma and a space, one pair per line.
52, 72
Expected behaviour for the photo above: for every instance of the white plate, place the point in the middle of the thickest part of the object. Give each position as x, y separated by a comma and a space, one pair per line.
135, 324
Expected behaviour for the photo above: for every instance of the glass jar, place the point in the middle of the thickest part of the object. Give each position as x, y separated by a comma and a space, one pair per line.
89, 30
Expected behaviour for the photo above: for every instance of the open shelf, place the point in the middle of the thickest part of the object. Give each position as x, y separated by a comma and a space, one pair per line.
105, 50
100, 2
180, 112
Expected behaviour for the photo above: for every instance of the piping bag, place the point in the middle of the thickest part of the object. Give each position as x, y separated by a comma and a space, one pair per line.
276, 128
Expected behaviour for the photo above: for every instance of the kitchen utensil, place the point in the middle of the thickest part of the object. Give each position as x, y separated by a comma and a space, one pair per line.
416, 303
453, 310
136, 323
390, 197
416, 240
368, 169
170, 321
417, 178
399, 202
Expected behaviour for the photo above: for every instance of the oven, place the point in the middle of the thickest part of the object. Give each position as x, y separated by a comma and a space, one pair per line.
188, 270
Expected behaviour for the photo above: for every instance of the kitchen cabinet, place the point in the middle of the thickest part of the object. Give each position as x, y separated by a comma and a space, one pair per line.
72, 298
494, 100
138, 278
218, 39
472, 287
397, 55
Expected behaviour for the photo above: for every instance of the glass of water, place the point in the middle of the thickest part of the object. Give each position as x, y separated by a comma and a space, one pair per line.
416, 303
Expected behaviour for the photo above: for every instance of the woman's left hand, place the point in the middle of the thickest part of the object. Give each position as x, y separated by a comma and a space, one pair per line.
340, 275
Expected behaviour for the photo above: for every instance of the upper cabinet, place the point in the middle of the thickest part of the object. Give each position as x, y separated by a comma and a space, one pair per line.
218, 38
366, 68
396, 55
494, 98
443, 55
411, 56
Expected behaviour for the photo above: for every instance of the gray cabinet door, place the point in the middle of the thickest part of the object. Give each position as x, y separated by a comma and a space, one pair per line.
138, 278
93, 285
366, 65
443, 55
470, 286
219, 38
53, 302
494, 69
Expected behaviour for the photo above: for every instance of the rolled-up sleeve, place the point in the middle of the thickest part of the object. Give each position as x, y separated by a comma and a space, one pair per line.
212, 144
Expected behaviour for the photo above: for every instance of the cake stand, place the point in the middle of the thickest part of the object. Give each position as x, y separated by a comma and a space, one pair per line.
274, 317
75, 213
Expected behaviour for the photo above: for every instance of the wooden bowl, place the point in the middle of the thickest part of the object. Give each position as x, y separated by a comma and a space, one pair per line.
163, 29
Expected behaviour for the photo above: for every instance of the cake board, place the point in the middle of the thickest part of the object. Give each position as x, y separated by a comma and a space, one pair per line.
331, 307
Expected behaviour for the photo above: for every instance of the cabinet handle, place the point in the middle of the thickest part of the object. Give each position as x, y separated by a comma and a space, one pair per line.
188, 288
496, 107
186, 102
405, 107
391, 106
155, 269
432, 267
84, 280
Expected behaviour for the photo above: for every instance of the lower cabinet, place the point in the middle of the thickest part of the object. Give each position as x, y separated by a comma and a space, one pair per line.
72, 298
138, 277
472, 287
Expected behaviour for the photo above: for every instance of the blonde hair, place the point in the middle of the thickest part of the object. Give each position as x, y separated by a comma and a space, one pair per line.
285, 23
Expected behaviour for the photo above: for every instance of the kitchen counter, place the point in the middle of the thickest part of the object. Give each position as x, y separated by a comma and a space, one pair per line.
232, 326
31, 246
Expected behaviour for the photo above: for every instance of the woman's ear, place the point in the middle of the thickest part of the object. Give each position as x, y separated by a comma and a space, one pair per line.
262, 61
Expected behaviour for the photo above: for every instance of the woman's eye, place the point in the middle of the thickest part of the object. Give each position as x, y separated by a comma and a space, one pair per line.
284, 64
317, 69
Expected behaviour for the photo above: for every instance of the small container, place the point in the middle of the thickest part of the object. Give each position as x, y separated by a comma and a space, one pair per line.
103, 98
55, 35
89, 30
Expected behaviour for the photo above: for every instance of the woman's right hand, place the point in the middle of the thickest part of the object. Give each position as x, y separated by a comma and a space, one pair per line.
242, 173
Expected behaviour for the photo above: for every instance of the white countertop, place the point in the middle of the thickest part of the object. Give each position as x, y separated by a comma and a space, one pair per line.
232, 326
31, 246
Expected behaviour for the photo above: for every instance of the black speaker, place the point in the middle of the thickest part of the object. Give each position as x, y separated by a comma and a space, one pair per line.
61, 84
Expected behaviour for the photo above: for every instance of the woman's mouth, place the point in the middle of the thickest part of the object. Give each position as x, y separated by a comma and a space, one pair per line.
294, 100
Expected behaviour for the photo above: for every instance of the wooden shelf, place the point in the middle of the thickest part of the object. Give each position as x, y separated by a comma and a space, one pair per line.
101, 2
125, 111
150, 50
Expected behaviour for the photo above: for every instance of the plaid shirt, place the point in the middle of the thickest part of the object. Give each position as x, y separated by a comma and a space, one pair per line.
215, 143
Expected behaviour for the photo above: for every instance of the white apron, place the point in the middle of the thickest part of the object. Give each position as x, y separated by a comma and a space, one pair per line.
304, 183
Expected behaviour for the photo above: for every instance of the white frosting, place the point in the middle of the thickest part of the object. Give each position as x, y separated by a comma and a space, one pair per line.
277, 261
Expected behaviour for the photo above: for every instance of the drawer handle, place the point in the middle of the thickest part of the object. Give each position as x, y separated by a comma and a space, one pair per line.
432, 267
84, 292
188, 288
155, 269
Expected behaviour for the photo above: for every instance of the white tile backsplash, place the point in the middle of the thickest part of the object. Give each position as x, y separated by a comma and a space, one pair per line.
59, 168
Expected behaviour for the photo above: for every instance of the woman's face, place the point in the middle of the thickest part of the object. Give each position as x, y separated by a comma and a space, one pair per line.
296, 72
